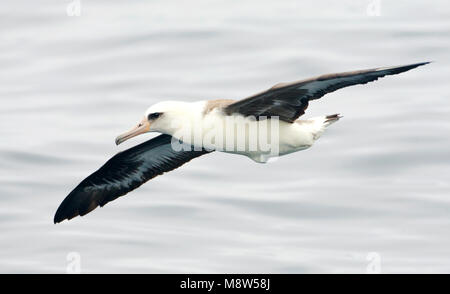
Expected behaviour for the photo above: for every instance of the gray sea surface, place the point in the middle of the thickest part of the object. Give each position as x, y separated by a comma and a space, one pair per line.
372, 195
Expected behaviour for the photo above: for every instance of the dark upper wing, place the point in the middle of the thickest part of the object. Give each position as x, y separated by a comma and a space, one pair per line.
290, 100
124, 172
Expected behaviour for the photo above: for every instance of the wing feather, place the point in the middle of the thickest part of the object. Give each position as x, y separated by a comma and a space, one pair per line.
289, 101
123, 173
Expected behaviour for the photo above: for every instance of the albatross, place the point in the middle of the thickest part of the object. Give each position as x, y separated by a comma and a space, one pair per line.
186, 129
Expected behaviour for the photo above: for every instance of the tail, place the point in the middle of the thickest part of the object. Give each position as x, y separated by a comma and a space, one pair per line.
329, 119
322, 122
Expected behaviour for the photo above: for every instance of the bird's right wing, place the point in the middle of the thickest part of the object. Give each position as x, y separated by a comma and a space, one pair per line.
124, 172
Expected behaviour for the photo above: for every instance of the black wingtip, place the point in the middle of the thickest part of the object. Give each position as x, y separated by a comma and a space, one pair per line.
411, 66
65, 214
423, 63
401, 68
59, 217
57, 220
414, 65
67, 209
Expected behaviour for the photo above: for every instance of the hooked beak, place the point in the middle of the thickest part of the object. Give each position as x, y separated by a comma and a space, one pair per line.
141, 128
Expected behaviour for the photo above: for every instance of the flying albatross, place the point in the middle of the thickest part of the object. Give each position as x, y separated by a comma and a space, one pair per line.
284, 103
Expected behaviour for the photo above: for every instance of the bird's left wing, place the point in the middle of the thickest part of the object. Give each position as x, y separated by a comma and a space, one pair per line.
288, 101
124, 172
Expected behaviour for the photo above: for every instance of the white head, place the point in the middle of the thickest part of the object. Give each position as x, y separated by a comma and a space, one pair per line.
157, 118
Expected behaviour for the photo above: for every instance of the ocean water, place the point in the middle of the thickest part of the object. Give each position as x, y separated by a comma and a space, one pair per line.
372, 195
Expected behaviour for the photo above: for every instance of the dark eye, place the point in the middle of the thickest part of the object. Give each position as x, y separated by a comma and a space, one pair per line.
154, 115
